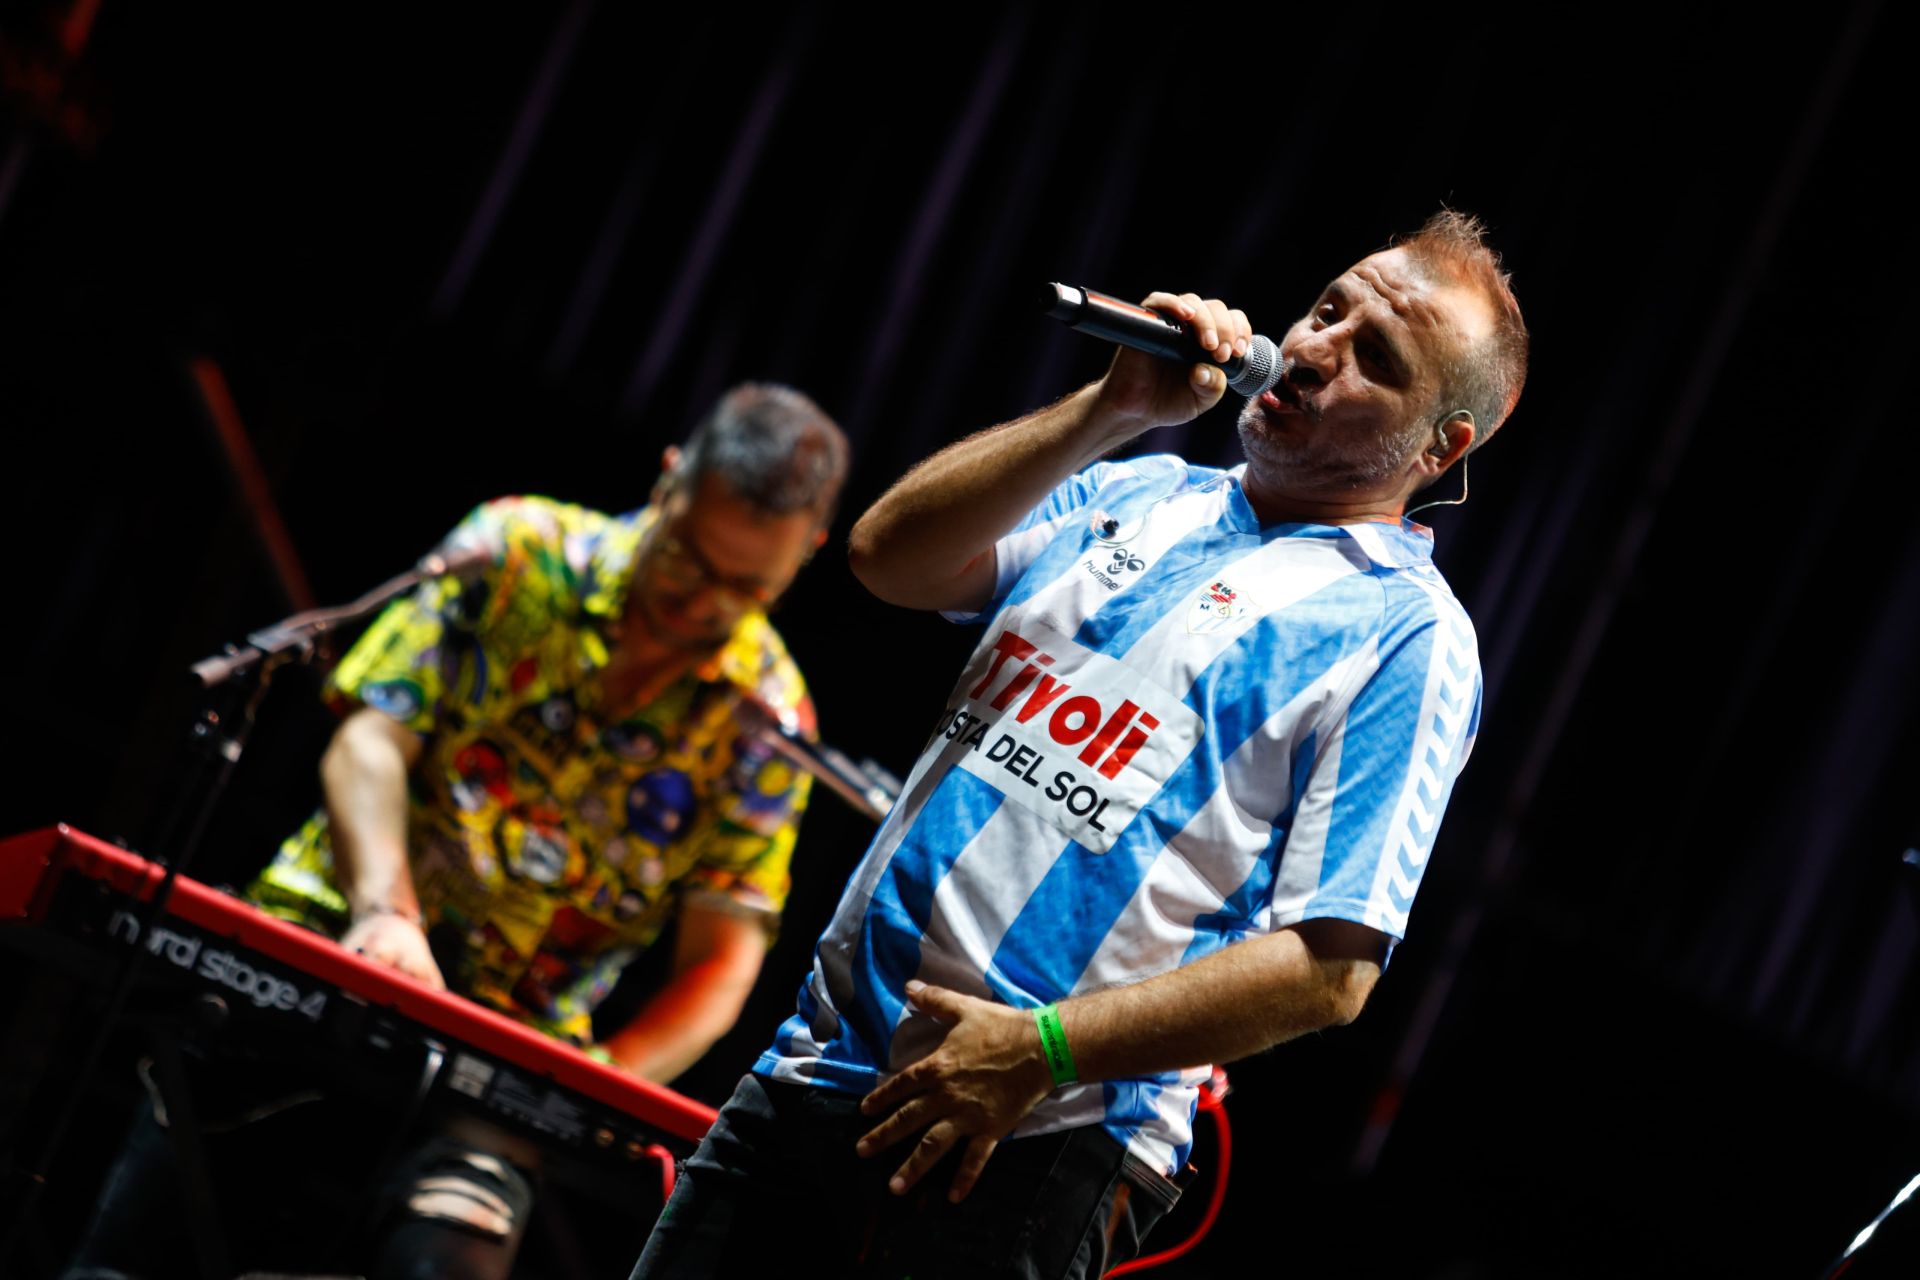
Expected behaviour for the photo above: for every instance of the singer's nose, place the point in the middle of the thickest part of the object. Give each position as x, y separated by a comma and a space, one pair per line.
1313, 362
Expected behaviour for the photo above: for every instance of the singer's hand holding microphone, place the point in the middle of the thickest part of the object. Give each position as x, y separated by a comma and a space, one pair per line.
1169, 368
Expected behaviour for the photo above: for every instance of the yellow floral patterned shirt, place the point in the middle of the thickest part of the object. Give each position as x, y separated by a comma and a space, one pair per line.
551, 842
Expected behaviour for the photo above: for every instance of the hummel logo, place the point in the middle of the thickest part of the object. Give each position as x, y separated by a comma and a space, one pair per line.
1124, 561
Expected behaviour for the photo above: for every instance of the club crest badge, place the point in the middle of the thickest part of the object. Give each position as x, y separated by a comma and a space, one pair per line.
1218, 605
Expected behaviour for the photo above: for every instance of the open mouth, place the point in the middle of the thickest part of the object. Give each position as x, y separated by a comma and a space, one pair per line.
1283, 398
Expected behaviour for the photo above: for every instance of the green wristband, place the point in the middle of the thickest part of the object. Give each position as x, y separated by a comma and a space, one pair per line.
1053, 1041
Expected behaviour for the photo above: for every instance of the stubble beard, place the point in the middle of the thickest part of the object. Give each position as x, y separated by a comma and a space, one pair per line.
1324, 462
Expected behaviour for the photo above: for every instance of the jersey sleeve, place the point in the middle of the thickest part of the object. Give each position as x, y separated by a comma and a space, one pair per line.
1020, 546
1380, 779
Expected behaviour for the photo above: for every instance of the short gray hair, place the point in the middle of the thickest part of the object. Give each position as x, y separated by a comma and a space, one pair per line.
773, 446
1486, 381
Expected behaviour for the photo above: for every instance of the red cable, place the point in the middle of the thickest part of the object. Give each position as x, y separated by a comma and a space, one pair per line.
1213, 1100
665, 1157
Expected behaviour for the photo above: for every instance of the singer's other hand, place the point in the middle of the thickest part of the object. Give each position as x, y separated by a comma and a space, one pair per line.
1157, 392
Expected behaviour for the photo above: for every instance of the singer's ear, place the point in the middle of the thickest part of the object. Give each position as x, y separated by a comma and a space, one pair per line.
1457, 430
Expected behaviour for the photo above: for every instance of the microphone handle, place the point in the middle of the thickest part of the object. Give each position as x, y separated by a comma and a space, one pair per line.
1130, 325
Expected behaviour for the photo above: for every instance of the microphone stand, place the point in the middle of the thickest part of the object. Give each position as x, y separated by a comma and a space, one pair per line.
233, 683
866, 787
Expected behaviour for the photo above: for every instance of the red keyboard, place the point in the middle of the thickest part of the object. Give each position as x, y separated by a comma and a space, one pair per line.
285, 981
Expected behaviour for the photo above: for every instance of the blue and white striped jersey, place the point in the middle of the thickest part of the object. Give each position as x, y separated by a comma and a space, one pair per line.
1180, 729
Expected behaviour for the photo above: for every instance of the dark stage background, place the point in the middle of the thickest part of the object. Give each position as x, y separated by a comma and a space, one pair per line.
1657, 1012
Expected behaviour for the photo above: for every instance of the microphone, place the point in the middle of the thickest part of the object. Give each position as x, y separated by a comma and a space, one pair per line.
465, 562
1112, 320
301, 634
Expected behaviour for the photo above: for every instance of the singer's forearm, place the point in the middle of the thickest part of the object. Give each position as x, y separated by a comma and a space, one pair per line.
928, 542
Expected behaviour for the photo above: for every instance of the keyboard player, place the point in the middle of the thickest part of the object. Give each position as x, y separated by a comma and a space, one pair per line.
537, 771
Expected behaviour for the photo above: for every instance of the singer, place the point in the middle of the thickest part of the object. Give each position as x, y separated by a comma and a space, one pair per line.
1174, 812
538, 770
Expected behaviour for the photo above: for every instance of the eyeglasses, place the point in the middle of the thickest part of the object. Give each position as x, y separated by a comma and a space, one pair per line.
680, 566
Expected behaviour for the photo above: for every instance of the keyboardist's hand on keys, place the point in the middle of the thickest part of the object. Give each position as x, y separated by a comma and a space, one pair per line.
395, 941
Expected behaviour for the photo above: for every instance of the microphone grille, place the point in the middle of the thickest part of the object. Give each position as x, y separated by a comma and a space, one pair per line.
1260, 368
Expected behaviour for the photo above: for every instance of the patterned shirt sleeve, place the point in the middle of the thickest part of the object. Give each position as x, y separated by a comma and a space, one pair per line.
744, 845
1381, 776
395, 667
401, 664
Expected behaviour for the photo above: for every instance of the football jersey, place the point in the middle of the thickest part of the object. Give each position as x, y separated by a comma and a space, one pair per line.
1180, 728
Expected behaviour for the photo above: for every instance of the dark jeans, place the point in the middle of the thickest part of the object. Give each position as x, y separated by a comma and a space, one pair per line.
446, 1210
776, 1187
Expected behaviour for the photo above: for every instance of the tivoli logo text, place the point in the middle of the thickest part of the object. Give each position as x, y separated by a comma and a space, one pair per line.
1074, 736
